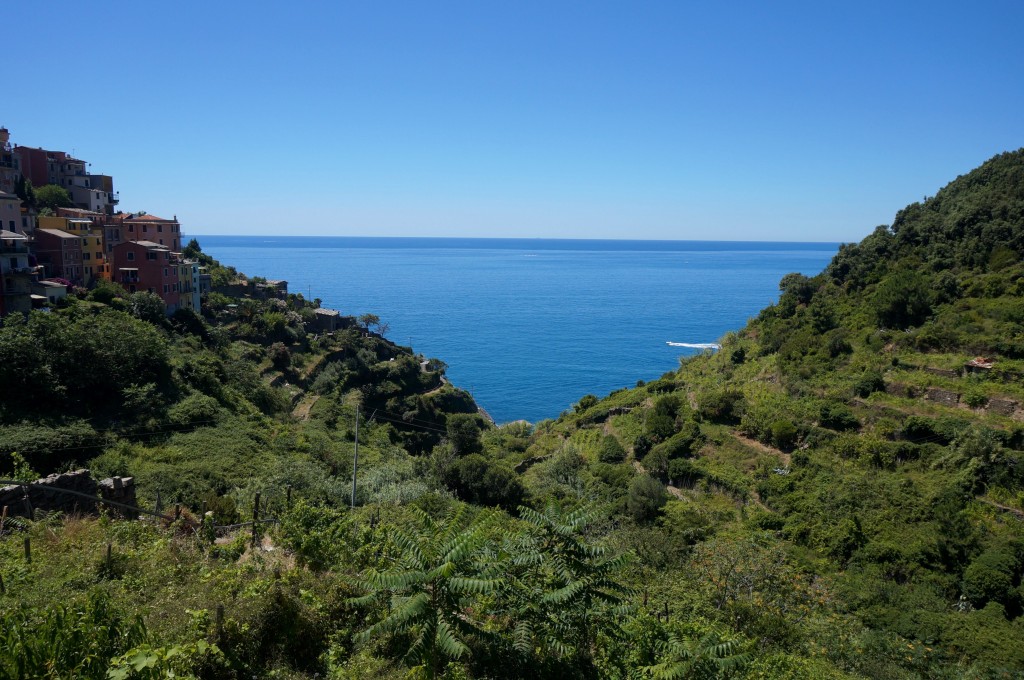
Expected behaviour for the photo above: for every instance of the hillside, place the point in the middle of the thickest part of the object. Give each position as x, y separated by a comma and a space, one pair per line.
837, 493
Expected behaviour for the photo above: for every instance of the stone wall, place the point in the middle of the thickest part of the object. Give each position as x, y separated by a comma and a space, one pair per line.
944, 397
42, 495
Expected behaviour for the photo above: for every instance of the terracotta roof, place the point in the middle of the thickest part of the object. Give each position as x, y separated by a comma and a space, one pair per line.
146, 218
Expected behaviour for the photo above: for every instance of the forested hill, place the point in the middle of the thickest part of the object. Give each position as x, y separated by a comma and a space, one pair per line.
870, 427
837, 493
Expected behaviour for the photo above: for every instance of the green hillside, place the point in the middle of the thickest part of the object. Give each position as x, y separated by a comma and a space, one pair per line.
837, 493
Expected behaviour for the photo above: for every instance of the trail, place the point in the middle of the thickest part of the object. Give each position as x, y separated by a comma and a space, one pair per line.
1019, 514
303, 408
763, 448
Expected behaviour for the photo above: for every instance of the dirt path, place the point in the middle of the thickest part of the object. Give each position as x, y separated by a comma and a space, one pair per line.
763, 448
303, 408
1006, 508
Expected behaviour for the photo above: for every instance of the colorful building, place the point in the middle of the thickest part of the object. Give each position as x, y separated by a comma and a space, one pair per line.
143, 227
95, 263
147, 266
60, 253
188, 284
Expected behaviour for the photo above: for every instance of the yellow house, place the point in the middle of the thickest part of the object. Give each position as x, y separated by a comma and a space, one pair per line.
95, 264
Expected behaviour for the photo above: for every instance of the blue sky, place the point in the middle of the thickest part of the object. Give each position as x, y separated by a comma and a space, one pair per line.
807, 121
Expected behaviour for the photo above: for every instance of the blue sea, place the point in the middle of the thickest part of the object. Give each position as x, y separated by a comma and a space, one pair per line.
531, 325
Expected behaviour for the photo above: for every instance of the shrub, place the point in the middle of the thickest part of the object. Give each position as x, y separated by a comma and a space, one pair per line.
783, 434
611, 451
837, 417
479, 481
646, 498
193, 410
869, 383
990, 577
720, 406
659, 426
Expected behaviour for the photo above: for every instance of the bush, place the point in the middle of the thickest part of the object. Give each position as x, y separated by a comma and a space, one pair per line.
611, 451
783, 434
720, 406
479, 481
193, 410
869, 383
659, 427
990, 577
837, 417
646, 498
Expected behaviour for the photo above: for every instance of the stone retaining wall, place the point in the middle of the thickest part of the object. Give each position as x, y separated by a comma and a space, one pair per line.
119, 489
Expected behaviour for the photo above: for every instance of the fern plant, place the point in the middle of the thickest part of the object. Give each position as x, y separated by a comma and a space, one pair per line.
562, 588
429, 588
697, 657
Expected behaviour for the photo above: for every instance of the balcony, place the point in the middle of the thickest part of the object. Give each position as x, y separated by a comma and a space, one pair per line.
114, 197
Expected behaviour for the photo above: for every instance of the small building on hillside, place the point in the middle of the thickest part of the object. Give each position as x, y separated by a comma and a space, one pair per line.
10, 212
48, 292
147, 266
16, 273
325, 320
60, 253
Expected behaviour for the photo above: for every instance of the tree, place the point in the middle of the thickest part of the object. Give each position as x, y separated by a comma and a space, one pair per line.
147, 307
481, 482
563, 589
902, 299
53, 196
464, 433
25, 191
107, 291
705, 656
646, 498
192, 251
611, 450
434, 579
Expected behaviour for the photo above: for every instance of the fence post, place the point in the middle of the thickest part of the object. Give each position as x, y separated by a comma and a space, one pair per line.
3, 589
288, 496
255, 518
156, 508
177, 511
3, 519
110, 556
28, 504
28, 550
220, 622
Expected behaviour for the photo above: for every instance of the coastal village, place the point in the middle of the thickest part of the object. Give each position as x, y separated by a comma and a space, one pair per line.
48, 252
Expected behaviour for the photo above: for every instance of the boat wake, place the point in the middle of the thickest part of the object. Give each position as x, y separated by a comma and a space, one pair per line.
695, 345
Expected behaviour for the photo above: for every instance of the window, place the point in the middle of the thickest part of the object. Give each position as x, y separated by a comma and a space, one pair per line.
85, 256
165, 272
160, 228
12, 226
166, 287
131, 227
131, 256
150, 256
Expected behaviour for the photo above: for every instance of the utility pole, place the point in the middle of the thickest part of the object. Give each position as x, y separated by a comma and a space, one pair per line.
355, 459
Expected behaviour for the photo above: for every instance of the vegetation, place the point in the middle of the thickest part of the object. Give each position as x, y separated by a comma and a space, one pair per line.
837, 493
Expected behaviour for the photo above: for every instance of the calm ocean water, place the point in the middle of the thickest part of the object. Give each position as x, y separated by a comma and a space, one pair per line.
529, 326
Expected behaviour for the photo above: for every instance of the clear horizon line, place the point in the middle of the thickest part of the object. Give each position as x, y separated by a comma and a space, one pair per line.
515, 238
